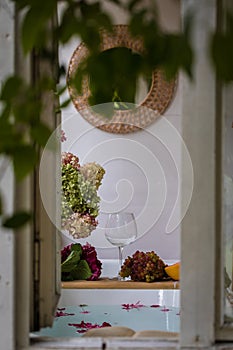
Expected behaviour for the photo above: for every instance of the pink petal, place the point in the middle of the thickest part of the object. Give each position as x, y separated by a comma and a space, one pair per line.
137, 305
61, 313
165, 309
88, 325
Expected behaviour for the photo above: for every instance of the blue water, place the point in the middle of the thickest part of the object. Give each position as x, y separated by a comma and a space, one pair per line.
73, 321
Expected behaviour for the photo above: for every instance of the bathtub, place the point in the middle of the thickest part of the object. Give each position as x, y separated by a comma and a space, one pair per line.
167, 297
138, 309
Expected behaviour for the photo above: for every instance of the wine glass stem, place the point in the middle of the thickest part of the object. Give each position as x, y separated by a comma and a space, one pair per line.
120, 250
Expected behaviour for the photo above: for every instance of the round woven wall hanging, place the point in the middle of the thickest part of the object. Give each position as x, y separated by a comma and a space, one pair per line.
157, 100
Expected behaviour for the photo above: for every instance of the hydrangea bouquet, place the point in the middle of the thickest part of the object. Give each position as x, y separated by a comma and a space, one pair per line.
80, 202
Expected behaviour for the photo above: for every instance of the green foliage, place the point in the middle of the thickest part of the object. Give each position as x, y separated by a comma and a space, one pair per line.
71, 261
24, 160
21, 131
221, 50
170, 52
108, 66
84, 20
35, 30
17, 220
75, 268
11, 88
20, 125
113, 74
83, 271
40, 133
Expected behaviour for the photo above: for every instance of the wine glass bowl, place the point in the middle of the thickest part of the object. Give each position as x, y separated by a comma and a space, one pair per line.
120, 230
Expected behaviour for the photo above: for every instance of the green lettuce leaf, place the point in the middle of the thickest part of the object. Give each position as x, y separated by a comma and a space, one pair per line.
82, 271
71, 262
77, 247
73, 268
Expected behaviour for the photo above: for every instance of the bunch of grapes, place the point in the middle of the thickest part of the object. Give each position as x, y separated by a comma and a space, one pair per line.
144, 267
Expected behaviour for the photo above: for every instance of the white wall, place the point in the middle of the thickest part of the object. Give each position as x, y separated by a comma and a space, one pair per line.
142, 168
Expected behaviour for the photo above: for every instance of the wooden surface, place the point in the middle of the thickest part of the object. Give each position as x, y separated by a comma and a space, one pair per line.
105, 283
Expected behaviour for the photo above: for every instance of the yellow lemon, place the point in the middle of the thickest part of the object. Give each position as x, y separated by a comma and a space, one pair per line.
173, 271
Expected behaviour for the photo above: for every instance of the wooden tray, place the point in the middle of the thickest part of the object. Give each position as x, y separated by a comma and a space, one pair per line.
106, 283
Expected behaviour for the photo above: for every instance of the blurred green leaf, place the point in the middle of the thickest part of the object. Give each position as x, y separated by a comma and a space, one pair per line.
188, 24
91, 36
34, 28
24, 160
104, 21
17, 220
177, 55
117, 2
89, 10
33, 31
93, 18
25, 3
27, 112
132, 4
6, 111
6, 132
119, 81
221, 50
70, 23
137, 23
9, 138
11, 88
61, 90
40, 133
65, 103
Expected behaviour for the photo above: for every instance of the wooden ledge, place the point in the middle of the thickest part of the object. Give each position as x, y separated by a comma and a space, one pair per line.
106, 283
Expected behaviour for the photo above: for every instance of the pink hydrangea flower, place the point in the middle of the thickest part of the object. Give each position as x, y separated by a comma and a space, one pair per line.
90, 255
70, 158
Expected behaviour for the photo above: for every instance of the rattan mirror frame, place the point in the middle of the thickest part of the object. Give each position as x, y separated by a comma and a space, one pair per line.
154, 105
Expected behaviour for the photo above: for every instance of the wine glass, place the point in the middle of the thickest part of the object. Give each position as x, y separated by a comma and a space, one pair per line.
120, 230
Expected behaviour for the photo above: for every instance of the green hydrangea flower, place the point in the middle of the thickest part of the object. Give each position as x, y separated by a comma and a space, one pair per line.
79, 199
93, 172
79, 194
